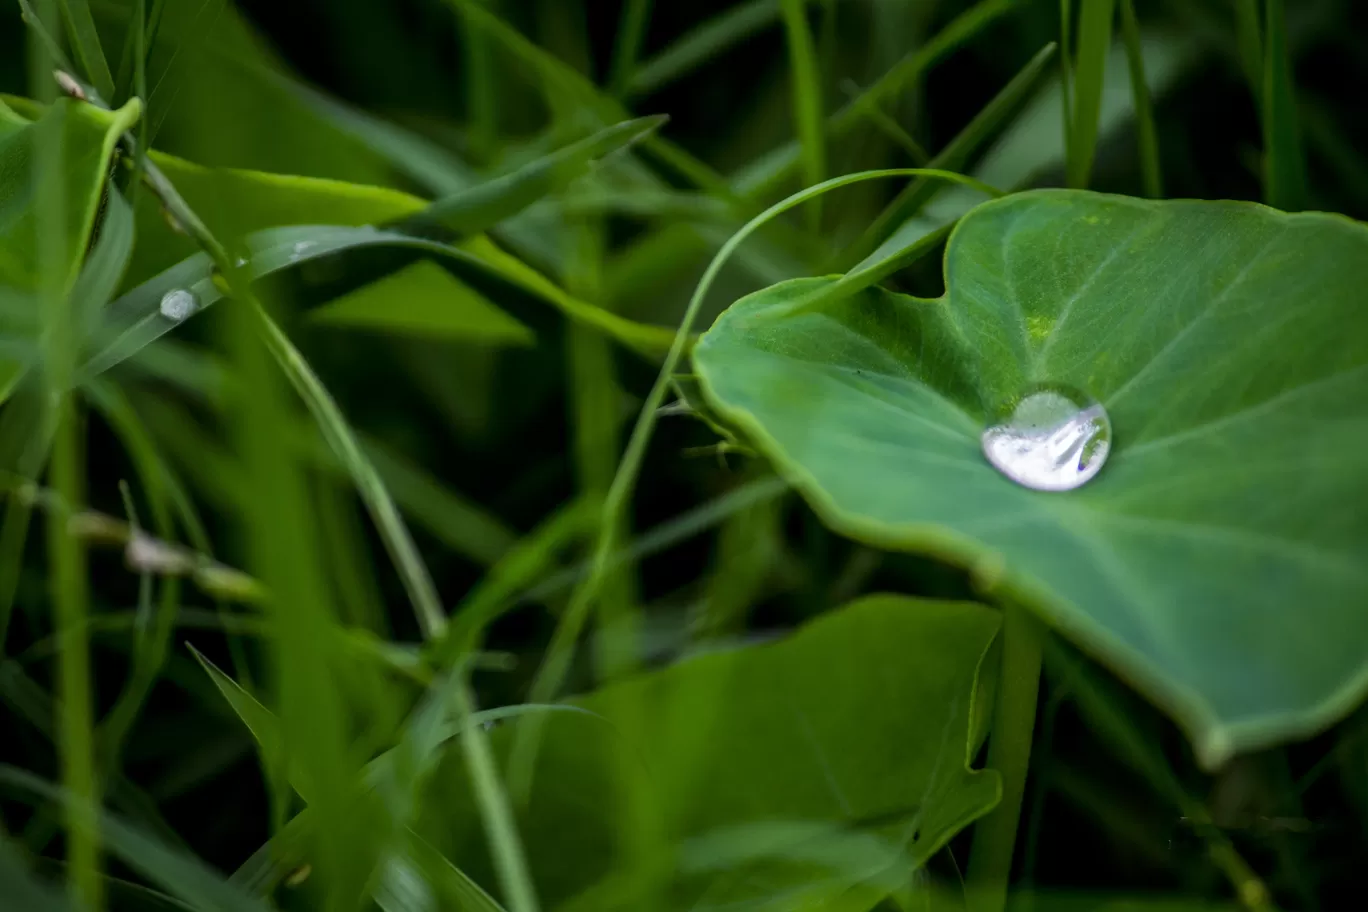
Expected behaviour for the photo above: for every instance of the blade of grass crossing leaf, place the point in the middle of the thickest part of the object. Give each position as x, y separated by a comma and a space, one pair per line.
1094, 43
807, 99
1284, 166
555, 667
86, 42
952, 158
636, 16
1146, 136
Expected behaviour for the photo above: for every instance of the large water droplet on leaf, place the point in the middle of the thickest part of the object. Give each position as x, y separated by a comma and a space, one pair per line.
178, 304
1052, 439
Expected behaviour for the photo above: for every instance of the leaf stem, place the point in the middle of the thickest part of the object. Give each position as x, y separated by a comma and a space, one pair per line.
1009, 752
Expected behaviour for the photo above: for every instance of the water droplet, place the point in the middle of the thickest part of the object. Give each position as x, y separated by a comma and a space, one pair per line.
1052, 439
300, 248
178, 304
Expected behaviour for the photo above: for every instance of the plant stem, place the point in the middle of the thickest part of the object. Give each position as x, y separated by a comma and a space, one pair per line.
1009, 752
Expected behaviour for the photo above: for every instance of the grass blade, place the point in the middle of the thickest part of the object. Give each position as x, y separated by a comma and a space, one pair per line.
636, 16
807, 98
951, 159
179, 874
1249, 44
137, 319
702, 43
20, 890
768, 172
1094, 43
1066, 57
1284, 166
555, 667
85, 40
473, 210
1145, 133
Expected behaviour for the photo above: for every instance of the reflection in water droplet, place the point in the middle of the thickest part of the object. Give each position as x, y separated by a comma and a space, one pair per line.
178, 304
1053, 439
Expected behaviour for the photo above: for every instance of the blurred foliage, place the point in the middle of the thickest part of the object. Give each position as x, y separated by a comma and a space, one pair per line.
498, 436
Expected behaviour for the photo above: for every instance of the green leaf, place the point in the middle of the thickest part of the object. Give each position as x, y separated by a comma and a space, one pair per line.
426, 300
88, 135
877, 743
1144, 113
807, 97
474, 209
86, 43
137, 319
1216, 561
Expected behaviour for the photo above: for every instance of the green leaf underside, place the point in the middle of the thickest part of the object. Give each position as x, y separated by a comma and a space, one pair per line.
876, 746
1220, 559
426, 300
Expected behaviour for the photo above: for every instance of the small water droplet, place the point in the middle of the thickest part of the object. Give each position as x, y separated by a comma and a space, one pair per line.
178, 304
300, 248
1052, 439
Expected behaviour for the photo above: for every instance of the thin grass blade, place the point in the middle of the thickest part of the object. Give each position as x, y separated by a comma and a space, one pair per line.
1284, 165
85, 40
704, 42
473, 210
807, 98
987, 123
1094, 43
1146, 136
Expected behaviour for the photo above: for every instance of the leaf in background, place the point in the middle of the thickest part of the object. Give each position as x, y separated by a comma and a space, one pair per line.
424, 299
139, 317
21, 890
1089, 76
751, 735
1145, 134
474, 209
88, 137
1216, 561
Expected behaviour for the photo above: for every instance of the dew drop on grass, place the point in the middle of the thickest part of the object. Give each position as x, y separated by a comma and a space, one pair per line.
178, 304
1053, 438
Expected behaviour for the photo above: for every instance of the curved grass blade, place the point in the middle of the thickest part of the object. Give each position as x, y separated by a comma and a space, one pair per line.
472, 210
21, 890
551, 676
1094, 44
139, 320
952, 158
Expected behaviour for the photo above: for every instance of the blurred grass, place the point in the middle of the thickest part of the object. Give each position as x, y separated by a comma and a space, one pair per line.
446, 99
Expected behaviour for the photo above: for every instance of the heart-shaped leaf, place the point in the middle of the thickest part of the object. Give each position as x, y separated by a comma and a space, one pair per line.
1219, 562
858, 727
